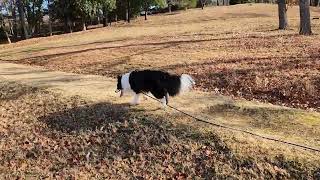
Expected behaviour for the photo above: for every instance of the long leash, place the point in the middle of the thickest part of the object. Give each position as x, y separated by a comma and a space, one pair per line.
237, 129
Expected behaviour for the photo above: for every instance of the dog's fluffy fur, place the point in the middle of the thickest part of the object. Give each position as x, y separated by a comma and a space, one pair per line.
160, 84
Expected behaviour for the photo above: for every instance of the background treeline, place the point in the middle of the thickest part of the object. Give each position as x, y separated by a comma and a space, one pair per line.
22, 19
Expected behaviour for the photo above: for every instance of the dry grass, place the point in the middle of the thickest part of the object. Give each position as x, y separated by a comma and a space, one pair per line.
231, 50
235, 50
46, 135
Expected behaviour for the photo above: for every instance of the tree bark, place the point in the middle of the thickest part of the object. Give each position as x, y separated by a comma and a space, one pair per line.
14, 16
84, 27
282, 11
146, 11
105, 17
305, 23
128, 11
49, 19
24, 31
8, 38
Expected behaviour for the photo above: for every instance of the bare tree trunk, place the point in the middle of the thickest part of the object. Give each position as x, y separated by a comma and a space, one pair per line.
8, 38
128, 11
65, 22
282, 11
110, 15
105, 17
146, 11
14, 16
24, 31
84, 27
305, 24
49, 19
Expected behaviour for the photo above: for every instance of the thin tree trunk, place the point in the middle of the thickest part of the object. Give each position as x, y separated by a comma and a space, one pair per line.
110, 17
146, 11
282, 11
14, 16
10, 27
8, 38
105, 17
65, 17
38, 19
33, 20
84, 28
24, 31
67, 20
128, 11
305, 24
49, 19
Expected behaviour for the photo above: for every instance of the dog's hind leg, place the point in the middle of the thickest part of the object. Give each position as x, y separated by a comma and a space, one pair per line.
167, 98
163, 102
135, 100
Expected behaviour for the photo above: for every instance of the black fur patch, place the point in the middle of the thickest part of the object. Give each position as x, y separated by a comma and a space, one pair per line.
158, 83
119, 85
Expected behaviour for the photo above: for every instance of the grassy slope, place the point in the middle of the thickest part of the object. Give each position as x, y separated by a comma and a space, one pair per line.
235, 50
190, 41
47, 135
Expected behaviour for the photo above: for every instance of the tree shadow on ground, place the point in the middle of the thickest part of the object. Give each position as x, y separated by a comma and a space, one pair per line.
12, 91
113, 133
37, 50
45, 58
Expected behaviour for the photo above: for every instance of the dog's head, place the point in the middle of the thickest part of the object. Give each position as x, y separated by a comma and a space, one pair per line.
119, 86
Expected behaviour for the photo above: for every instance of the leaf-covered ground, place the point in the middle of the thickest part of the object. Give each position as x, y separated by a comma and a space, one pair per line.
235, 50
46, 135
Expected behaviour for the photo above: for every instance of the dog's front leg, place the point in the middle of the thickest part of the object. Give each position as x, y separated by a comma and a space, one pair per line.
135, 100
164, 102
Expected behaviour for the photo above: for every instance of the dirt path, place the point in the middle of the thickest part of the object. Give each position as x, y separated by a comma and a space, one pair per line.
293, 124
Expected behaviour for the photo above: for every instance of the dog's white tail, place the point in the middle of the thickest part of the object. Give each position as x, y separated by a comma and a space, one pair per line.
187, 83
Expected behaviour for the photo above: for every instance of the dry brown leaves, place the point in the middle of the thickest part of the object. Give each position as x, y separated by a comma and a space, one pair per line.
45, 135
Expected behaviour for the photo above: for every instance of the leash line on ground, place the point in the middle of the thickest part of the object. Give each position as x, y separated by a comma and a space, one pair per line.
237, 129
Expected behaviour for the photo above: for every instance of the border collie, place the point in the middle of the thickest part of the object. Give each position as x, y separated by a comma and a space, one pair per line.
160, 84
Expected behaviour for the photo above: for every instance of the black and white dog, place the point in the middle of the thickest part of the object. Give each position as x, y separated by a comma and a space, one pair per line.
160, 84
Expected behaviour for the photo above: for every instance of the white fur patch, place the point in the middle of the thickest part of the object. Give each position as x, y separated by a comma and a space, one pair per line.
136, 99
126, 88
163, 102
186, 83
